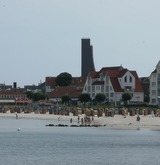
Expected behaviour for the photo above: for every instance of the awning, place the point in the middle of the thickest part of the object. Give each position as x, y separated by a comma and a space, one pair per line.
7, 101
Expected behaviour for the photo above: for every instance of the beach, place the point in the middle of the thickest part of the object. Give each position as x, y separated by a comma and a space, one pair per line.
118, 121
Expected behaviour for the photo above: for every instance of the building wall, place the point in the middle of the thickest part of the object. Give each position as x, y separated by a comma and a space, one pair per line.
153, 89
155, 86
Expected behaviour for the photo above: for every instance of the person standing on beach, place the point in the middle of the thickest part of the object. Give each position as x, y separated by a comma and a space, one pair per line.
92, 118
16, 116
138, 118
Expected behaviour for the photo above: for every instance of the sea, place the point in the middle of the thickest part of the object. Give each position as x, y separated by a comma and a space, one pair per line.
31, 142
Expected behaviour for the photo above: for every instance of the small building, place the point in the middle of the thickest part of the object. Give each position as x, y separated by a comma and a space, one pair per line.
10, 96
72, 91
50, 83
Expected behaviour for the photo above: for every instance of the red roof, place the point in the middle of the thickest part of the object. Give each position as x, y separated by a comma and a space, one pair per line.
116, 85
50, 81
12, 92
94, 74
115, 73
76, 81
61, 91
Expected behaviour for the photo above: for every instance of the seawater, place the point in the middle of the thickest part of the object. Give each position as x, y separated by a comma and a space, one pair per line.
37, 144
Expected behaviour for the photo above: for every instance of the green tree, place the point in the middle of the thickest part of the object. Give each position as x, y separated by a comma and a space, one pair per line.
100, 97
63, 79
126, 97
66, 98
84, 97
39, 96
29, 94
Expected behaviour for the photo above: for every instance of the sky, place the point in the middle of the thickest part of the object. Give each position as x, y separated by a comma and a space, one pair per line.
41, 38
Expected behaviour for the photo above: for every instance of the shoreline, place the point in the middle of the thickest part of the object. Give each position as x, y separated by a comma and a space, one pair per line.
118, 121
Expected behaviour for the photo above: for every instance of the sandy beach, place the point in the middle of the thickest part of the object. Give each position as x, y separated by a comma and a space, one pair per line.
118, 121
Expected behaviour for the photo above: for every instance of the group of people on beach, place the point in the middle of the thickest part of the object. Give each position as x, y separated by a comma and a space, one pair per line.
85, 120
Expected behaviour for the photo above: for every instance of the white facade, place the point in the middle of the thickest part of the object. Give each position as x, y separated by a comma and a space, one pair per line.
113, 87
155, 86
48, 89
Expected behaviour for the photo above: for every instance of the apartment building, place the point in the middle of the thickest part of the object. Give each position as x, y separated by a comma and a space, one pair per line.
155, 86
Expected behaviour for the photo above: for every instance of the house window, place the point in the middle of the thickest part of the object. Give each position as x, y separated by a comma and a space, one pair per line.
130, 79
112, 94
107, 88
102, 88
125, 79
153, 84
98, 87
93, 88
128, 88
101, 78
153, 101
153, 92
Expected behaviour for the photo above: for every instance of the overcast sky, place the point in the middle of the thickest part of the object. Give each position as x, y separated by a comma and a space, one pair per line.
40, 38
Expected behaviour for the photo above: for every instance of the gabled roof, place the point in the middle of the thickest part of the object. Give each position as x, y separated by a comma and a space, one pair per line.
73, 92
115, 73
118, 68
116, 85
78, 81
112, 71
122, 72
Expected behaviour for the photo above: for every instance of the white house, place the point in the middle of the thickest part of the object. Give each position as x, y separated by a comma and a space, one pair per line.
113, 82
155, 86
